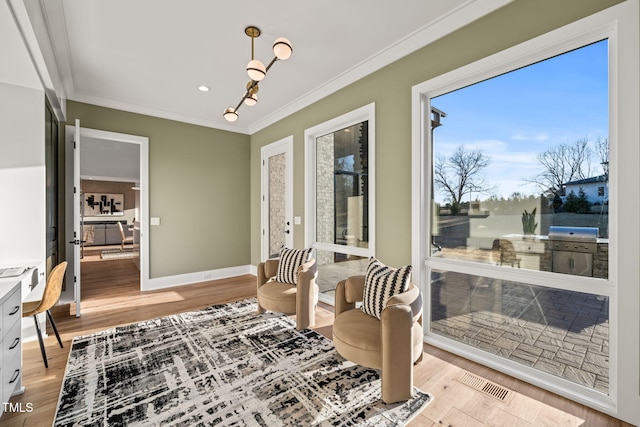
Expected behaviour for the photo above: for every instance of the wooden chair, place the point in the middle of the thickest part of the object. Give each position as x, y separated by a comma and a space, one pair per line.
50, 297
125, 239
505, 253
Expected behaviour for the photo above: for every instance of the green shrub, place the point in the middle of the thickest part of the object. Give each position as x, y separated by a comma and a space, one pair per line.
529, 223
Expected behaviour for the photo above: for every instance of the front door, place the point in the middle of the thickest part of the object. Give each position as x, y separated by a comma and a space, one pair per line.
277, 197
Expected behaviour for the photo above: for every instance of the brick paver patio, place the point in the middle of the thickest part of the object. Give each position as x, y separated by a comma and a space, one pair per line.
561, 332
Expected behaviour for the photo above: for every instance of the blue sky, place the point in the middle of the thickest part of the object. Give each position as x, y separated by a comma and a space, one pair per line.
514, 117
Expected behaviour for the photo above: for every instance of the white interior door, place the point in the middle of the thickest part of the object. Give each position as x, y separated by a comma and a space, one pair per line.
80, 137
277, 197
73, 219
77, 218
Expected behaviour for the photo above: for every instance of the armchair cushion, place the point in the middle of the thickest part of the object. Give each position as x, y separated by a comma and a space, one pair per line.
381, 283
290, 262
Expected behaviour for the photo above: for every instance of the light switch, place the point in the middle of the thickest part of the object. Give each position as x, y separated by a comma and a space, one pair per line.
297, 220
155, 220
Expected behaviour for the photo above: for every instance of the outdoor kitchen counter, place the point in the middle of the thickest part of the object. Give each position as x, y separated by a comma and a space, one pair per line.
542, 237
537, 252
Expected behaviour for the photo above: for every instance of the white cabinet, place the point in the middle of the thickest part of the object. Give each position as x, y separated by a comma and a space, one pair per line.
10, 336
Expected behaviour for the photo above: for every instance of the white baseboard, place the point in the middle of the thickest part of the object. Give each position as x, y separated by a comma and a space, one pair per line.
197, 277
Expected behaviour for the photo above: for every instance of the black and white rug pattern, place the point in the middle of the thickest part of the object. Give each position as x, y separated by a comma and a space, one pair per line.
224, 365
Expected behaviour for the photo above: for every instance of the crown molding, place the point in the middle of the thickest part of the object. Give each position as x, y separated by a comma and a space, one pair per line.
461, 16
155, 112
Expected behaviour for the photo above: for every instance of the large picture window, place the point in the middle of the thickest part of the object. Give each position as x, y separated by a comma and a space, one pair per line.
520, 177
521, 167
515, 198
339, 154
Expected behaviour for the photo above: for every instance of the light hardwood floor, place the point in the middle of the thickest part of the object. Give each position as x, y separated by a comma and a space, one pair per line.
111, 297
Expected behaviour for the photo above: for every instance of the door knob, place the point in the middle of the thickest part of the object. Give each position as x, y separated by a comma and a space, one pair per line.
287, 231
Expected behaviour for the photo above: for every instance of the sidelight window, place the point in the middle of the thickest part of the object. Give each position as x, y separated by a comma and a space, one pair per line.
339, 158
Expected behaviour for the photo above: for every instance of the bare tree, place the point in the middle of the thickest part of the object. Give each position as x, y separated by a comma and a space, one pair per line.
602, 153
561, 164
461, 174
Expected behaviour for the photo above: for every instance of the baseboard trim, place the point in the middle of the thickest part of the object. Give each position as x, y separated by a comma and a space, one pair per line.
197, 277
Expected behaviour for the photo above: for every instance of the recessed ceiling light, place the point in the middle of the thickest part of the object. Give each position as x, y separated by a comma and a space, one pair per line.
203, 88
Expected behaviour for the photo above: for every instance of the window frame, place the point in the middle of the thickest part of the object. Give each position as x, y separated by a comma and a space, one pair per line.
623, 107
362, 114
457, 80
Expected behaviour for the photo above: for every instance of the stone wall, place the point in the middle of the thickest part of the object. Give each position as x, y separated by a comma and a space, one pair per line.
277, 217
325, 203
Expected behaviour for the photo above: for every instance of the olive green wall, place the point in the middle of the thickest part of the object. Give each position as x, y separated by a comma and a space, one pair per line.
198, 186
390, 89
205, 183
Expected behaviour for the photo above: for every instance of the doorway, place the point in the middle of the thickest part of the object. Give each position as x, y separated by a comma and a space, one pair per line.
277, 197
111, 178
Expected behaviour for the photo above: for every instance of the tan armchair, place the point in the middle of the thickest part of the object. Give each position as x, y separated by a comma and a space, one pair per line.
392, 344
300, 299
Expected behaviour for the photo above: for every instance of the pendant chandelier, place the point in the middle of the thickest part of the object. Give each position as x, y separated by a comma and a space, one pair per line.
257, 71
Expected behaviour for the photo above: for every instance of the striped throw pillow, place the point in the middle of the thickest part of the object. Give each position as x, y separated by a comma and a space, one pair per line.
381, 283
290, 261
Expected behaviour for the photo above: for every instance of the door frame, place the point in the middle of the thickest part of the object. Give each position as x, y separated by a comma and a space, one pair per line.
143, 142
282, 146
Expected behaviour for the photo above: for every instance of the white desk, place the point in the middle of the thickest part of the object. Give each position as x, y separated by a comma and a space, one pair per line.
10, 339
29, 294
14, 330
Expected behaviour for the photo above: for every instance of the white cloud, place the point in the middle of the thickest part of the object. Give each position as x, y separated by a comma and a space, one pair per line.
542, 136
489, 146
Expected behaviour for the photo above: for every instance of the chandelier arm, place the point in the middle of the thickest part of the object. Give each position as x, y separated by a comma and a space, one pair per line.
241, 101
246, 95
273, 61
253, 48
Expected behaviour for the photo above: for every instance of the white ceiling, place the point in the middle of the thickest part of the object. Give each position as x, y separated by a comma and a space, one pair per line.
148, 56
109, 160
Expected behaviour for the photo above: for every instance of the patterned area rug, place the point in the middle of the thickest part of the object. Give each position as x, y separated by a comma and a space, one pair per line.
224, 365
118, 254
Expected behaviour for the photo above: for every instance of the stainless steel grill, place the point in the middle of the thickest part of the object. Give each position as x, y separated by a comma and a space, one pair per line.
573, 249
578, 239
575, 234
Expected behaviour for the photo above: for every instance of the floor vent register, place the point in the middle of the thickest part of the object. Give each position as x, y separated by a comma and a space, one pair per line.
487, 387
